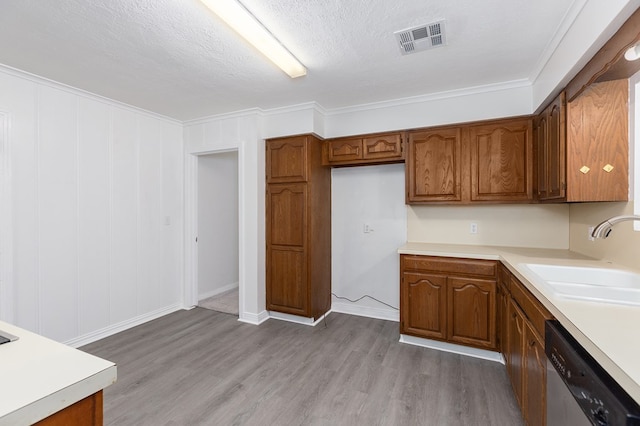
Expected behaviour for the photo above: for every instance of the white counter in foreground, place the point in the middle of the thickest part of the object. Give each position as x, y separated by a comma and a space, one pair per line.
39, 377
609, 332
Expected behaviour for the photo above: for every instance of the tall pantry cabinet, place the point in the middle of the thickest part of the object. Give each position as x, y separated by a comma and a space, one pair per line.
298, 227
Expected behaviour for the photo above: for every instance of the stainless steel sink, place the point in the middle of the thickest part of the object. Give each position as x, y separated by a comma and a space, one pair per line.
589, 283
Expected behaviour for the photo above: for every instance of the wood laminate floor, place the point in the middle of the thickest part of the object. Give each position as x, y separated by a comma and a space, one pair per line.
201, 367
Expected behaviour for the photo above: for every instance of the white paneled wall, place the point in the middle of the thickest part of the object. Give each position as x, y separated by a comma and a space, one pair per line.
97, 211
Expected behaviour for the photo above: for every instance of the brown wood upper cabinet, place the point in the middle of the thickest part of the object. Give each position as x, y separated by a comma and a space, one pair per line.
434, 165
362, 150
449, 299
486, 162
550, 135
582, 147
598, 143
298, 227
502, 161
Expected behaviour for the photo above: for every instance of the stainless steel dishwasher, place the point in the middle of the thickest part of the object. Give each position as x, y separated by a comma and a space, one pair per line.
579, 391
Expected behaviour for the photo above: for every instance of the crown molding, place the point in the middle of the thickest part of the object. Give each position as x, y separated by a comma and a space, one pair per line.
449, 94
24, 75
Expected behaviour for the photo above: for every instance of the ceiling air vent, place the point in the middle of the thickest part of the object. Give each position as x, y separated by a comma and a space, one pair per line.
424, 37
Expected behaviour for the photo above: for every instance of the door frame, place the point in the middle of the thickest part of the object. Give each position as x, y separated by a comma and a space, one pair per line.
190, 293
6, 222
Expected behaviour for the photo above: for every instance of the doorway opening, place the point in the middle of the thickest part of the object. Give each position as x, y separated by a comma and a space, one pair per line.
218, 232
6, 236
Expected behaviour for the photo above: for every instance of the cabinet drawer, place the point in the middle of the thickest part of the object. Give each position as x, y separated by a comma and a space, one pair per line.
450, 265
382, 147
343, 150
532, 308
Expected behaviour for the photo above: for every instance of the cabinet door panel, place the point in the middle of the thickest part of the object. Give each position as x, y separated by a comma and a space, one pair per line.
540, 134
597, 136
535, 382
501, 161
556, 150
388, 146
423, 304
344, 150
287, 289
515, 355
287, 160
287, 214
434, 166
471, 311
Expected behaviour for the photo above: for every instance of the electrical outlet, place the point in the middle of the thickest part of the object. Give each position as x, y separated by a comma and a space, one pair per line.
473, 228
367, 228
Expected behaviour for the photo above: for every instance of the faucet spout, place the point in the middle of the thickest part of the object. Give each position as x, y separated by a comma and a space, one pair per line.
604, 228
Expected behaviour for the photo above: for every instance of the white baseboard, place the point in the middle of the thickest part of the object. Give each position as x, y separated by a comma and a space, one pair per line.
365, 311
297, 319
85, 339
255, 319
450, 347
217, 291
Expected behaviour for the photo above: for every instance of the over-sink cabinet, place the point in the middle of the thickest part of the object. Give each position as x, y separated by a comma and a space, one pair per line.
582, 146
480, 163
298, 227
522, 319
449, 299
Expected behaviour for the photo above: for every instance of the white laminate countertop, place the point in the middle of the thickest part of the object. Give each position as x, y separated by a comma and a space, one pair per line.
39, 377
609, 332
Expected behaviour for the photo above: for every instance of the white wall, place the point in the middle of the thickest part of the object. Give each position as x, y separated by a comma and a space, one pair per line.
244, 133
217, 223
92, 184
367, 263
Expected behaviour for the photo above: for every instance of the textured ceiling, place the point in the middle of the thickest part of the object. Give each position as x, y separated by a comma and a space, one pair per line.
176, 58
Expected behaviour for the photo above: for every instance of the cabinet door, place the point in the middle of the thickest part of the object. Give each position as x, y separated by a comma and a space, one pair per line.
556, 173
598, 143
472, 312
287, 289
383, 147
287, 282
515, 354
423, 304
287, 214
347, 150
501, 161
434, 166
540, 135
504, 277
286, 160
535, 383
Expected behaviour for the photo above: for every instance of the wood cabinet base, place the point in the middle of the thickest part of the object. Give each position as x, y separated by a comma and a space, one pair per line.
86, 412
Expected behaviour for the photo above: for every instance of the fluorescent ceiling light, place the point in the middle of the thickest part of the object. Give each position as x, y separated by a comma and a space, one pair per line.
245, 24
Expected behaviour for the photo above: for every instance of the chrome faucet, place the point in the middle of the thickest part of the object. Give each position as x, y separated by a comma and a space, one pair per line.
604, 228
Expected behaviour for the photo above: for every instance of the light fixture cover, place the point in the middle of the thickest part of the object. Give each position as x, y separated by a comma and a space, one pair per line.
246, 25
632, 53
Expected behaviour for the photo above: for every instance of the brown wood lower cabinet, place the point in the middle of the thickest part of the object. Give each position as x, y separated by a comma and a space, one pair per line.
86, 412
449, 299
522, 343
514, 352
535, 373
459, 301
422, 299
